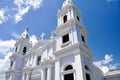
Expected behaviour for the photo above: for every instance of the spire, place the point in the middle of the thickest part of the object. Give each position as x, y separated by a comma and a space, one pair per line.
25, 34
67, 2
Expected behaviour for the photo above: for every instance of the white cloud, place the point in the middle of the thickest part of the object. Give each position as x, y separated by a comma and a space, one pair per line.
112, 0
107, 59
32, 3
6, 46
105, 65
15, 35
20, 8
3, 18
20, 13
23, 6
4, 65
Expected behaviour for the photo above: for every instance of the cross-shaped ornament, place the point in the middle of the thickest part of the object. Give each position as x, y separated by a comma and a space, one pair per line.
42, 36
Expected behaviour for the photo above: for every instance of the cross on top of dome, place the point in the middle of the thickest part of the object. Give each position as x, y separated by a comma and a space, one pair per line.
25, 34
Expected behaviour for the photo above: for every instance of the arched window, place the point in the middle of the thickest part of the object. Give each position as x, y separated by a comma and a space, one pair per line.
83, 38
69, 67
86, 67
68, 76
24, 50
78, 18
16, 49
87, 74
11, 64
65, 19
38, 60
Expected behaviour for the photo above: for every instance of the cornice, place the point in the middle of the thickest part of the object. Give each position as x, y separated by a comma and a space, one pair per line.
66, 9
83, 47
73, 48
14, 71
16, 54
37, 49
68, 24
21, 40
66, 49
95, 69
112, 73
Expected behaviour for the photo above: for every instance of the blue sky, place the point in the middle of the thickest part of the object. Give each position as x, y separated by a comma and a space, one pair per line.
100, 17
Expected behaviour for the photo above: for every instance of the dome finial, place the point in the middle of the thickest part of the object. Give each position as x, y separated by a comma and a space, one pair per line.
25, 34
67, 2
27, 28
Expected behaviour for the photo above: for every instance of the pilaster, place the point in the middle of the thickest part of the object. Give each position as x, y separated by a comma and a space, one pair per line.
57, 70
43, 74
24, 76
28, 76
78, 67
72, 13
49, 73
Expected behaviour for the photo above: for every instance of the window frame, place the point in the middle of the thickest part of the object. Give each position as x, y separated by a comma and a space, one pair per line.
65, 38
87, 72
24, 50
38, 60
78, 18
16, 49
65, 18
11, 64
68, 67
69, 71
83, 38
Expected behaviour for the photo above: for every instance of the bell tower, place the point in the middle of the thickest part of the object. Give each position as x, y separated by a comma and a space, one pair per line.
70, 27
74, 59
17, 58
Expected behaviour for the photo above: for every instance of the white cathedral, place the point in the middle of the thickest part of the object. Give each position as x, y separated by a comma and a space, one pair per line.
65, 56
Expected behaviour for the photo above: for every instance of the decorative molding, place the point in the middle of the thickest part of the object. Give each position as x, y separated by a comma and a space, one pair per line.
65, 44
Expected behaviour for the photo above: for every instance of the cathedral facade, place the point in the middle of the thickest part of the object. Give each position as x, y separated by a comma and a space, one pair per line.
65, 56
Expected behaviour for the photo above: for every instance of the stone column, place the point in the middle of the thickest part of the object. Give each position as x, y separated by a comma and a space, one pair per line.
61, 20
57, 70
28, 76
72, 13
78, 67
10, 78
58, 20
43, 74
69, 15
13, 77
24, 76
49, 73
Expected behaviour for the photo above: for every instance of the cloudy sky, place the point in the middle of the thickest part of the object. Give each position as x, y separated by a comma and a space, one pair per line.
100, 17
